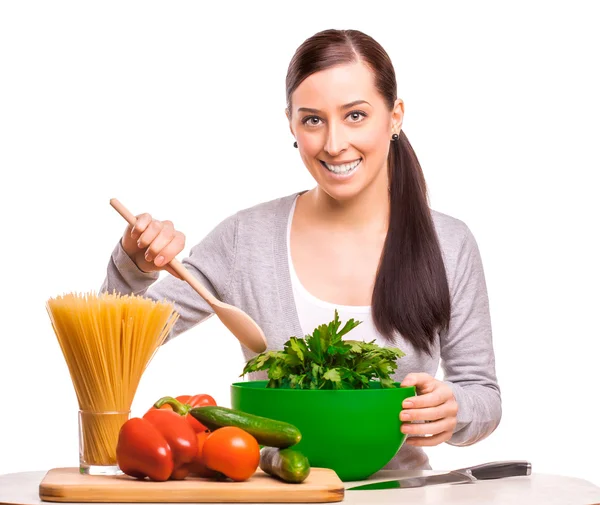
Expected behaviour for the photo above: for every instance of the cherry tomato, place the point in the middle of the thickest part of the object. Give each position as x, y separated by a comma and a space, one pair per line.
231, 451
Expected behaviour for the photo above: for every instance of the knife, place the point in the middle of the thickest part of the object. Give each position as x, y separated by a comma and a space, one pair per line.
495, 470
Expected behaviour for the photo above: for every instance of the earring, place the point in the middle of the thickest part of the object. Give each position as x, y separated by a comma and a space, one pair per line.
296, 145
394, 137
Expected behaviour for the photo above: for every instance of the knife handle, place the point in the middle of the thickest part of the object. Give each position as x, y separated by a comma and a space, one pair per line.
499, 469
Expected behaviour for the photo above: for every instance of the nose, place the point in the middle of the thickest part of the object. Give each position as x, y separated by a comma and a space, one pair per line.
336, 141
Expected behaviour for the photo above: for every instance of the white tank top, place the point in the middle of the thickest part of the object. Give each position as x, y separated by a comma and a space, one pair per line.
313, 312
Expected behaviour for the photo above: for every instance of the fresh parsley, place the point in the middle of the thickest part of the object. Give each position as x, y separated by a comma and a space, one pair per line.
324, 361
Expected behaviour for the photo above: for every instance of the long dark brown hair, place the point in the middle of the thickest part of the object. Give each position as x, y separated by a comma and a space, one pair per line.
411, 294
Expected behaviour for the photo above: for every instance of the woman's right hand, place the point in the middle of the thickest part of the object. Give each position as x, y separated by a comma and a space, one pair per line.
152, 244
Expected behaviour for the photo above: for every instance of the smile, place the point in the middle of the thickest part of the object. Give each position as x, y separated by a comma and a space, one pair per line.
342, 168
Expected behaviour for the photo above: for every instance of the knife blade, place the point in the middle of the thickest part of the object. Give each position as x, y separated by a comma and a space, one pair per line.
471, 474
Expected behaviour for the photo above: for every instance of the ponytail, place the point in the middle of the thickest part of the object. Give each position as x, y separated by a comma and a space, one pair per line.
411, 294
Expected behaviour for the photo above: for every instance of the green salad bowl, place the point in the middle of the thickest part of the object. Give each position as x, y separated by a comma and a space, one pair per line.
354, 432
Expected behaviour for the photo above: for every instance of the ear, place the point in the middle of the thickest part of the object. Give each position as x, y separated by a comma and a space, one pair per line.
397, 115
287, 114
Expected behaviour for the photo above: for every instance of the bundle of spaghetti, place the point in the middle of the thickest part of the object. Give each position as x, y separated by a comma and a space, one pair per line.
107, 341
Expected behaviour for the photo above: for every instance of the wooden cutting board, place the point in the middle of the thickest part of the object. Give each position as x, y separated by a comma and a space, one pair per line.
68, 485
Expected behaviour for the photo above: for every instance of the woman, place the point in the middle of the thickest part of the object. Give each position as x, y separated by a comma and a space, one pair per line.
364, 241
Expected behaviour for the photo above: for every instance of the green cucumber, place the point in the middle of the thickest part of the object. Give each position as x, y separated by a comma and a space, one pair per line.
289, 464
268, 432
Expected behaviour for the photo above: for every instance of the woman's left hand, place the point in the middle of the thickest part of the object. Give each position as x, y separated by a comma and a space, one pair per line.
434, 404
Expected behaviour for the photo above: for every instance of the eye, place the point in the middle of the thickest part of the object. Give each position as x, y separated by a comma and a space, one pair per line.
356, 116
311, 120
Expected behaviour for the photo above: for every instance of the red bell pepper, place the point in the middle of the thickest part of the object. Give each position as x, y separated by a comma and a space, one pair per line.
143, 452
197, 467
192, 401
182, 406
160, 445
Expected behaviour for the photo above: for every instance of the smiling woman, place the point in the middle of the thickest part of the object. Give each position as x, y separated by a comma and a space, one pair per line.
363, 241
344, 140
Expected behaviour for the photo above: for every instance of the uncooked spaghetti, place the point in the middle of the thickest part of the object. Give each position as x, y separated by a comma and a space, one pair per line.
107, 340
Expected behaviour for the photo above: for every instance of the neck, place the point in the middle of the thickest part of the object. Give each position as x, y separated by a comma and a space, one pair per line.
367, 211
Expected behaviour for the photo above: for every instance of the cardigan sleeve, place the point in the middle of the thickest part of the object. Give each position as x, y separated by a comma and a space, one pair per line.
466, 351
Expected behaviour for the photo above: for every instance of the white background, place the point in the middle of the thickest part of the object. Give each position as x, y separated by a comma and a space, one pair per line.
177, 109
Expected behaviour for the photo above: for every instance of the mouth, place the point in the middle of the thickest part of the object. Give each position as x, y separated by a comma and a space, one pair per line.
342, 168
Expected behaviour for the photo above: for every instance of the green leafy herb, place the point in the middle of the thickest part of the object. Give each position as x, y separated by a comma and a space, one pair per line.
324, 360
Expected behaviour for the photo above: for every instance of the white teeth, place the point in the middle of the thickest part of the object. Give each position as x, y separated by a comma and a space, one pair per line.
342, 169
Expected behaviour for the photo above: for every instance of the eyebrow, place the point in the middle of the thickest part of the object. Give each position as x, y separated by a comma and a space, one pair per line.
346, 106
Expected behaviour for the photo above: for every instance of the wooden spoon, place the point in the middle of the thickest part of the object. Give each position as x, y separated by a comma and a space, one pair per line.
243, 327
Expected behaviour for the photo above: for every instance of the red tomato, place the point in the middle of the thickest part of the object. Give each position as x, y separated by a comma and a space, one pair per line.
232, 452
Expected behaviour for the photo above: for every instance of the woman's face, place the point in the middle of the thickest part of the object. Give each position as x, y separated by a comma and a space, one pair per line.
343, 129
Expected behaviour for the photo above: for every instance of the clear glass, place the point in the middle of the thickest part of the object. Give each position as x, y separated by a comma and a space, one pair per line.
98, 437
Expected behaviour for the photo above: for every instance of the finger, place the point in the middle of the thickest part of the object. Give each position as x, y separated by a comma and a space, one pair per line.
162, 240
429, 441
150, 233
433, 399
427, 413
171, 250
423, 382
432, 428
141, 223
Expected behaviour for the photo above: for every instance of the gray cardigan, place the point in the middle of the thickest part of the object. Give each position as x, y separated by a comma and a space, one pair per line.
243, 261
